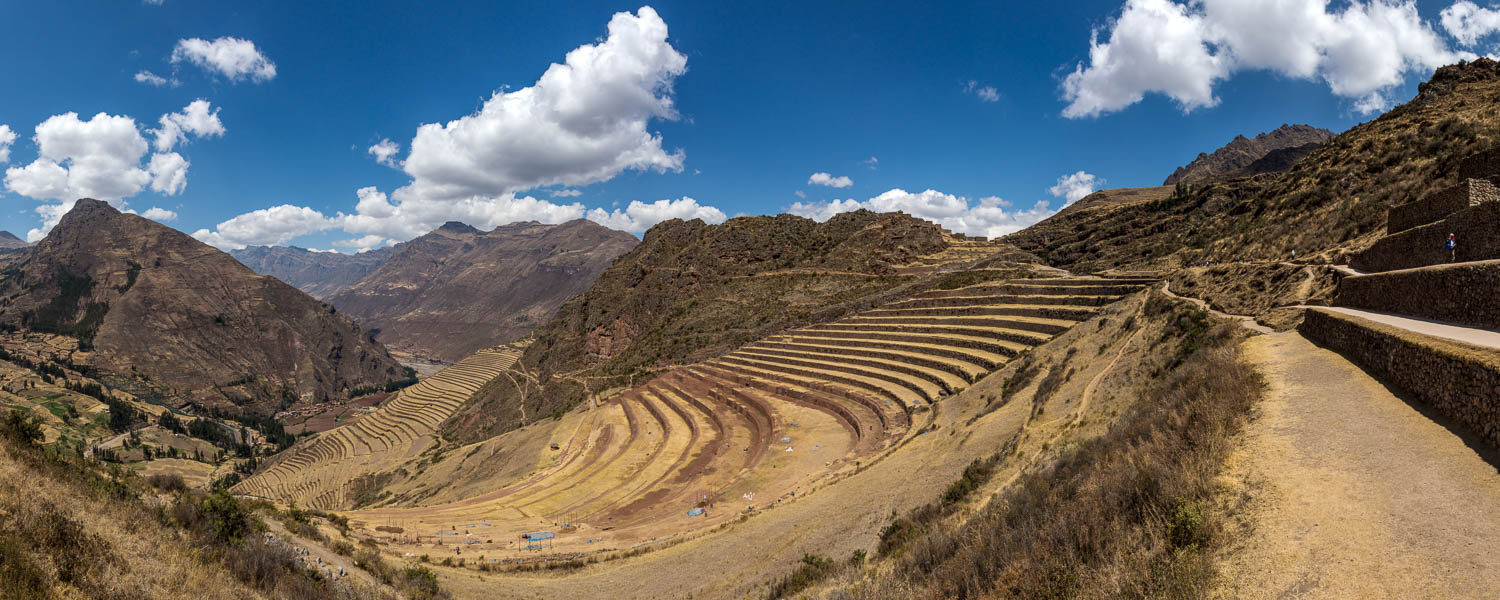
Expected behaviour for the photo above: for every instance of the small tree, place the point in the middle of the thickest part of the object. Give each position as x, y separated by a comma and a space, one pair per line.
24, 427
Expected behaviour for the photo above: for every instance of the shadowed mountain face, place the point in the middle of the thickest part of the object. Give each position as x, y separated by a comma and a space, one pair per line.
458, 289
319, 274
183, 319
1242, 156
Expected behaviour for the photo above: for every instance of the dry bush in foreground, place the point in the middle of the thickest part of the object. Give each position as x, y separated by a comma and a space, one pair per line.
1122, 516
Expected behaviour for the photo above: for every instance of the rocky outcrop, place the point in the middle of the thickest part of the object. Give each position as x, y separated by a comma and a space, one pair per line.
1457, 380
319, 274
459, 289
178, 319
1239, 157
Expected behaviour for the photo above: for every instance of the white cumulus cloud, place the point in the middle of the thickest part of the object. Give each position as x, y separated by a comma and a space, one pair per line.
986, 93
7, 137
160, 214
98, 158
640, 216
362, 244
168, 173
1182, 50
1467, 22
566, 193
989, 216
267, 226
153, 79
101, 158
1074, 186
234, 58
198, 119
585, 120
385, 152
829, 180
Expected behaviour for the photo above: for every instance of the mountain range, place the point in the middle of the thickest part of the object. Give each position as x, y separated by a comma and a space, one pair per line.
164, 315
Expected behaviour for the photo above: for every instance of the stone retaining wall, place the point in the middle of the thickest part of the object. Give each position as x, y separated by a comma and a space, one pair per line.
1440, 204
1481, 165
1460, 381
1463, 293
1422, 246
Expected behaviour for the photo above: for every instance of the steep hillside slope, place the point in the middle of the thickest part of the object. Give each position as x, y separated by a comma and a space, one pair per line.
691, 291
1241, 155
319, 274
182, 319
458, 289
1332, 202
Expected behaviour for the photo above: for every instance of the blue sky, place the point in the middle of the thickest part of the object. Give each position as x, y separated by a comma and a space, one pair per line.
973, 112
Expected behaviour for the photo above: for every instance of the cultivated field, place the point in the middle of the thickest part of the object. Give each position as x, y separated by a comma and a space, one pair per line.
320, 472
704, 444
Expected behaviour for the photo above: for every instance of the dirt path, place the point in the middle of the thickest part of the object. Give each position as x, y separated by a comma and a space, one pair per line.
1247, 321
1352, 492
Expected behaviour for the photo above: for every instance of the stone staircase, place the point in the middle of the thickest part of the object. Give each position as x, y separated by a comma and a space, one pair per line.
1419, 319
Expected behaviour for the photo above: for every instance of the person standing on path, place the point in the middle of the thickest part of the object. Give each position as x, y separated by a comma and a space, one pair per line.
1452, 248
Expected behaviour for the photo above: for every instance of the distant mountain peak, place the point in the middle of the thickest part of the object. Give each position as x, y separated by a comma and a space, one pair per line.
128, 288
1236, 157
458, 227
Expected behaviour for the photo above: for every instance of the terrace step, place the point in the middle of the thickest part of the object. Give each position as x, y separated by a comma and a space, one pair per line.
1028, 338
1423, 246
944, 380
929, 389
997, 346
1060, 312
984, 358
1438, 205
1463, 293
964, 371
1039, 325
976, 301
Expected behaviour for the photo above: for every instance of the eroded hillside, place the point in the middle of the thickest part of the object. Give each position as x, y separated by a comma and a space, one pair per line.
1330, 203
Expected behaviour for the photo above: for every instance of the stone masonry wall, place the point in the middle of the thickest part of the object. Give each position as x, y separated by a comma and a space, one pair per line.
1440, 204
1476, 228
1481, 165
1460, 381
1462, 293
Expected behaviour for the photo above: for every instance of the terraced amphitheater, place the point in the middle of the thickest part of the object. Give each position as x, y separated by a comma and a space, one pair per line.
702, 444
317, 473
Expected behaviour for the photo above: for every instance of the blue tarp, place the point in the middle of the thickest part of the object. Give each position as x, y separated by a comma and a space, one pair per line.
695, 512
541, 535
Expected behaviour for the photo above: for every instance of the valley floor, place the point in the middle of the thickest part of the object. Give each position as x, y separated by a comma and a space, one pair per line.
1354, 493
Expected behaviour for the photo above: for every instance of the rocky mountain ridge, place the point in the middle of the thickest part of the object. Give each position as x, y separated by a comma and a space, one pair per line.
1242, 156
167, 316
319, 274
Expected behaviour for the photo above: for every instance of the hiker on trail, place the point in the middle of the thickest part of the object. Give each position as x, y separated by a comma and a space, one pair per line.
1452, 248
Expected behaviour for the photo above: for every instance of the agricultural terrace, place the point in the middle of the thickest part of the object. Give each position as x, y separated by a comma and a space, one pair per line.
319, 472
703, 444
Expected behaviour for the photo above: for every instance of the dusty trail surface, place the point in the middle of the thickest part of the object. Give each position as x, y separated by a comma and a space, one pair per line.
1352, 492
